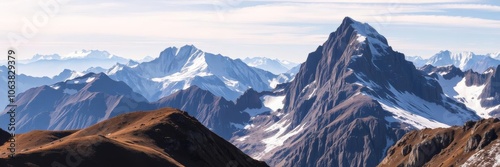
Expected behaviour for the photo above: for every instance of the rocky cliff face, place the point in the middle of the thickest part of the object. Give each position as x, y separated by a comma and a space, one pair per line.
491, 92
351, 99
474, 143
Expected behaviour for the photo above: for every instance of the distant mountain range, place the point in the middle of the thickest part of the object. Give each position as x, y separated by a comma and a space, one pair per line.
463, 60
76, 61
272, 65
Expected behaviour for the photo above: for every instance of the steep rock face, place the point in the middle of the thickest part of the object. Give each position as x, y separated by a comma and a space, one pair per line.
4, 136
351, 99
491, 92
425, 150
165, 137
474, 143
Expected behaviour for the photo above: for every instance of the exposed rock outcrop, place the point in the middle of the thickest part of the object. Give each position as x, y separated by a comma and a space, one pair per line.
474, 143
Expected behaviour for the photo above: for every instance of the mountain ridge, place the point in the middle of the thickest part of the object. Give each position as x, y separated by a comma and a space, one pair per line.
465, 60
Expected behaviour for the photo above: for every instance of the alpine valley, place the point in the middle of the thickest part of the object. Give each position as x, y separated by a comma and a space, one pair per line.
355, 101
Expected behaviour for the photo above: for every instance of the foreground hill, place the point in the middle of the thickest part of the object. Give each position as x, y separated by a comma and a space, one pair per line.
474, 144
165, 137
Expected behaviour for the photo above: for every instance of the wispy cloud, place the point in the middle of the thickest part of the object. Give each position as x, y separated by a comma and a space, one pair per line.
243, 23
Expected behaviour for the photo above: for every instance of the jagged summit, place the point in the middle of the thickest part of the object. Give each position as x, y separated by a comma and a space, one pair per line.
365, 31
179, 68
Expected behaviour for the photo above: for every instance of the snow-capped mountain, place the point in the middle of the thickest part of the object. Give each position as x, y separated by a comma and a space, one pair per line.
146, 59
275, 66
350, 101
179, 68
478, 91
86, 100
494, 55
417, 60
76, 61
74, 104
463, 60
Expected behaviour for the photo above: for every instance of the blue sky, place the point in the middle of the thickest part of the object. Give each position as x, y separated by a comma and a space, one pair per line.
284, 29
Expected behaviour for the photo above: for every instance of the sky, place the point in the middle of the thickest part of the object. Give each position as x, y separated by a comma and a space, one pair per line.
283, 29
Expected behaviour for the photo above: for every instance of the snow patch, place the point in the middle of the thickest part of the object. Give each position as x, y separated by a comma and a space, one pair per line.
236, 125
242, 138
278, 138
361, 38
90, 79
256, 111
484, 157
312, 94
469, 95
274, 102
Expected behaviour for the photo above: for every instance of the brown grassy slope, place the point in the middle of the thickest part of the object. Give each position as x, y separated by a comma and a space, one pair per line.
165, 137
446, 146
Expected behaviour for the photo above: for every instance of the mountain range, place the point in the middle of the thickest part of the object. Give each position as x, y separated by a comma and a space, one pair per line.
165, 137
346, 105
76, 61
463, 60
74, 104
275, 66
179, 68
25, 82
84, 101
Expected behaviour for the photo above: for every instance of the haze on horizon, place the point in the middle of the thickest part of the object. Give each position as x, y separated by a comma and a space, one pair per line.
281, 29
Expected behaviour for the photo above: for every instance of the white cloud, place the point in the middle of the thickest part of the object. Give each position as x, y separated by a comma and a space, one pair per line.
278, 22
